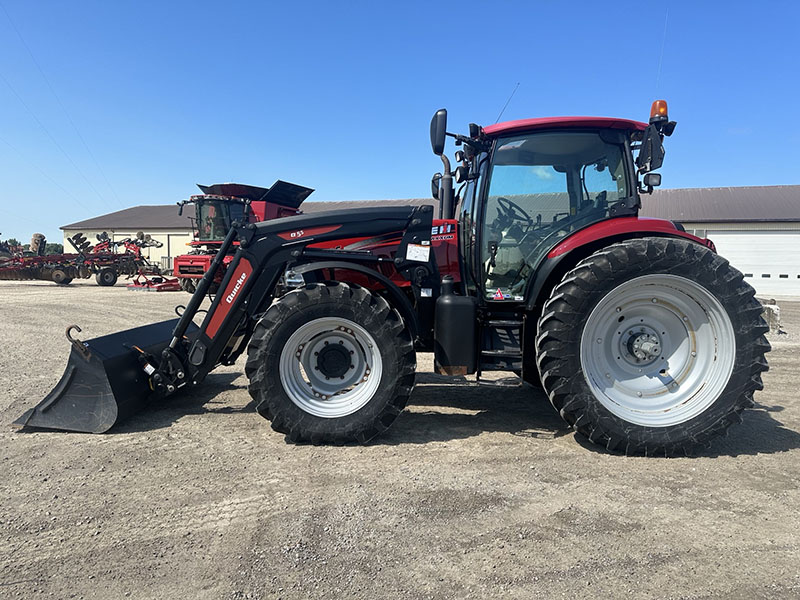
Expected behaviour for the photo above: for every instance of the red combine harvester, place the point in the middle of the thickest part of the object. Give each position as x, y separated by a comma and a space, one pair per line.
217, 208
643, 338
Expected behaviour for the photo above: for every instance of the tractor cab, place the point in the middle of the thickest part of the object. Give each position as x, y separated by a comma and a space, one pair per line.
527, 185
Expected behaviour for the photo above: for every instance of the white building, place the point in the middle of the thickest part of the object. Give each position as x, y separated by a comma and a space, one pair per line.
756, 228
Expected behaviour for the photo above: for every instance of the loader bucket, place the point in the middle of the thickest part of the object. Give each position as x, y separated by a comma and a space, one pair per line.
103, 384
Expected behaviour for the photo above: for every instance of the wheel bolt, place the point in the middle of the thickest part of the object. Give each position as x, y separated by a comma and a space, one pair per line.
352, 352
694, 353
327, 378
655, 300
619, 309
316, 353
326, 343
352, 366
341, 342
639, 394
599, 341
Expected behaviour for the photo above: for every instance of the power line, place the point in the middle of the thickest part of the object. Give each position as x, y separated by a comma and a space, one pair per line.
663, 41
60, 103
45, 175
50, 135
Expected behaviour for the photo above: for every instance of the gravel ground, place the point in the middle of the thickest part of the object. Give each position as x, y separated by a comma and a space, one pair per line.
473, 493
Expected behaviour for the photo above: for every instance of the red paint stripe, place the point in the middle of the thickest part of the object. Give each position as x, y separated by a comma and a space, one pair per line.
229, 297
299, 234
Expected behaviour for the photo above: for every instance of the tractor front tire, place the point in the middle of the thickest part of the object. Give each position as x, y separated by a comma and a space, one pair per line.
652, 346
106, 277
331, 363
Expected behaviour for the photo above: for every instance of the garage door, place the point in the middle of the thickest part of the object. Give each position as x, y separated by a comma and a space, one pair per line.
770, 260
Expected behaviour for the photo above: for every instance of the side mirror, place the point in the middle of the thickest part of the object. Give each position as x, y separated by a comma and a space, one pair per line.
651, 153
436, 181
652, 180
438, 129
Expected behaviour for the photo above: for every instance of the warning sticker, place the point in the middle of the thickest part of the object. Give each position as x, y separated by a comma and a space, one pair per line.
418, 252
498, 295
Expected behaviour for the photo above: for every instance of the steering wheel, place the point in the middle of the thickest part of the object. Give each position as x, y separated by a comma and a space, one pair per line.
514, 212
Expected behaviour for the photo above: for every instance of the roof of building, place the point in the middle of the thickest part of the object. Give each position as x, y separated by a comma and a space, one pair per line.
549, 122
165, 216
725, 204
690, 205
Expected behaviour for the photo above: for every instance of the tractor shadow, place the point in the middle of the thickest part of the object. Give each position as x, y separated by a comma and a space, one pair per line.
758, 433
448, 408
200, 400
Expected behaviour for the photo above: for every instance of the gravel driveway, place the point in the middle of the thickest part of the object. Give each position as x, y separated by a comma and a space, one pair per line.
473, 493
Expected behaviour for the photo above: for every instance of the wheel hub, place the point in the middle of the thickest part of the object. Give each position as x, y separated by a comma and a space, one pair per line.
641, 345
333, 360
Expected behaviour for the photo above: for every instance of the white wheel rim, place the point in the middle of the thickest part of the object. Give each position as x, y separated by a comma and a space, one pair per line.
314, 375
658, 350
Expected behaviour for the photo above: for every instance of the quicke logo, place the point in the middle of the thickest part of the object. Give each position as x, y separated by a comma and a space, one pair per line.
229, 298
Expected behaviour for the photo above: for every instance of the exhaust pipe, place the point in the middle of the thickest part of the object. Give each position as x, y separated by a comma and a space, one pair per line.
104, 382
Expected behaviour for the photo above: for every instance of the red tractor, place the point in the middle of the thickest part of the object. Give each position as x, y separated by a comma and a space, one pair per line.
217, 208
643, 338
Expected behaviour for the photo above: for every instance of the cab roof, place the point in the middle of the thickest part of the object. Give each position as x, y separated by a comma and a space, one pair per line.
523, 125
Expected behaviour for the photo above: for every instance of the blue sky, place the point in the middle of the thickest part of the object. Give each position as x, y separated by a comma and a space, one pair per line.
107, 105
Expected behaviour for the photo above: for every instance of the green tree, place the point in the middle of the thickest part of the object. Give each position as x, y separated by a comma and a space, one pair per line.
54, 249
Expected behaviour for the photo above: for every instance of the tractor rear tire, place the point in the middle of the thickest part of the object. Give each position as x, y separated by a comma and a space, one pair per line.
106, 277
652, 346
331, 363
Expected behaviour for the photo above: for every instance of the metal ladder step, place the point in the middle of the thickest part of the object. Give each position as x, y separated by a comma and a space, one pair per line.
502, 353
505, 382
503, 323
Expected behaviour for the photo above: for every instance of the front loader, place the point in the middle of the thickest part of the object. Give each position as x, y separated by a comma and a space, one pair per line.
643, 338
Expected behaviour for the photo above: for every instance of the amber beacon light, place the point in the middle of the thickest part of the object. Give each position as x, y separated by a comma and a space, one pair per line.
658, 111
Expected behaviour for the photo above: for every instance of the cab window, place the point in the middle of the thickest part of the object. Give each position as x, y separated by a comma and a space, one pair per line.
542, 187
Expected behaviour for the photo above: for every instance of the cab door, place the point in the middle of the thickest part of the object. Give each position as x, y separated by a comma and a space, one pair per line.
540, 188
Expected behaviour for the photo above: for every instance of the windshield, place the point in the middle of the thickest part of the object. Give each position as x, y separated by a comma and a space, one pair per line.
542, 187
214, 218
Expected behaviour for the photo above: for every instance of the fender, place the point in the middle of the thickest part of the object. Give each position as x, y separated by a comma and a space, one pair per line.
577, 246
398, 298
620, 226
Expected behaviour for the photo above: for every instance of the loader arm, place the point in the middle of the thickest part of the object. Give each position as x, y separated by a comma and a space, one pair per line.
110, 378
267, 249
